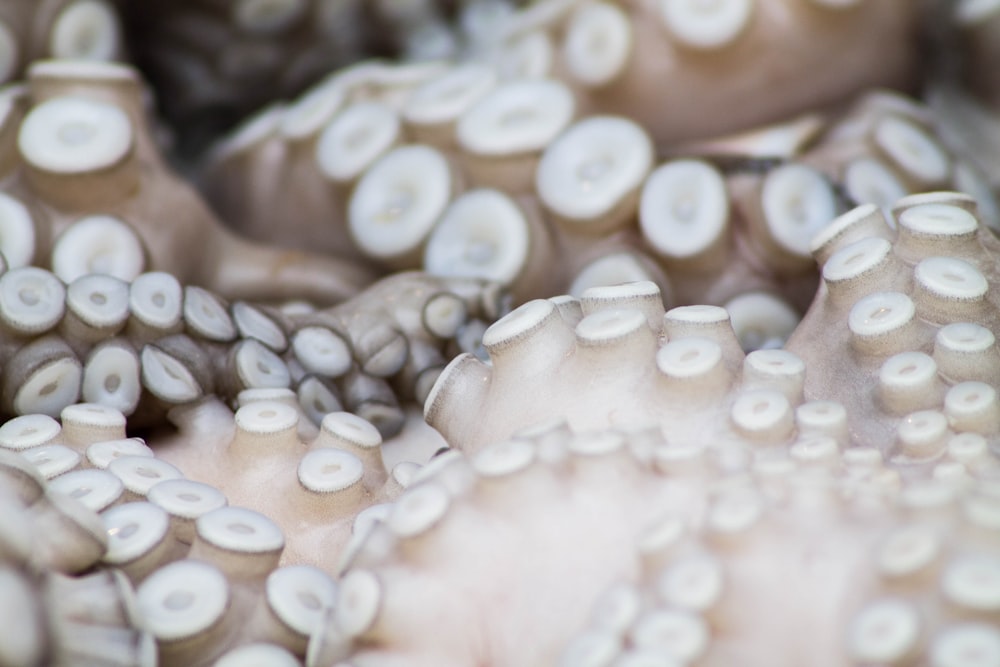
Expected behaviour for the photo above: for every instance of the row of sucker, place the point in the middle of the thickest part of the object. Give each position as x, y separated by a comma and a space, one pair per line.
517, 187
150, 345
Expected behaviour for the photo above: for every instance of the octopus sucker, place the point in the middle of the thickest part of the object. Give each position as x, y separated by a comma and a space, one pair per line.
492, 332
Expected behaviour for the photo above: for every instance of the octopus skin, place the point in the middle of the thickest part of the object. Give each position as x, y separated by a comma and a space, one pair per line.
886, 146
312, 488
210, 578
351, 209
643, 477
320, 145
609, 52
616, 341
56, 533
809, 464
960, 88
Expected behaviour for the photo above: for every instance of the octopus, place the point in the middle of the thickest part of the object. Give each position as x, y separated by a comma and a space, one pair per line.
583, 333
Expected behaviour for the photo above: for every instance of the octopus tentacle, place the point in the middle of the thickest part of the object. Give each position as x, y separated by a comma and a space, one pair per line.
683, 547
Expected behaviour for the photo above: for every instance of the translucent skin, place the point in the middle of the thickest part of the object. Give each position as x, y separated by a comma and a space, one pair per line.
688, 540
